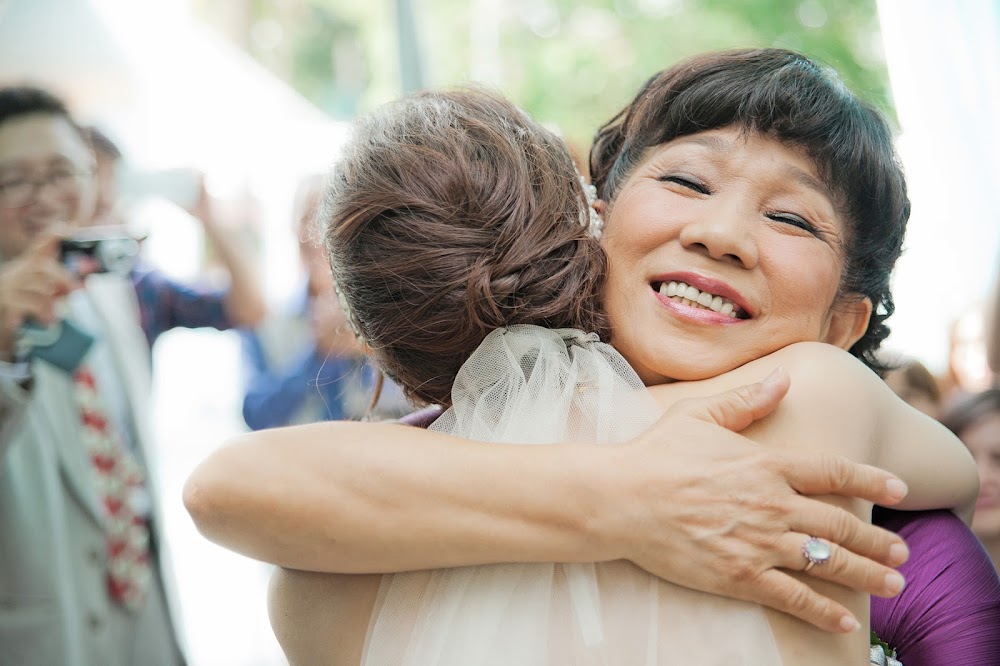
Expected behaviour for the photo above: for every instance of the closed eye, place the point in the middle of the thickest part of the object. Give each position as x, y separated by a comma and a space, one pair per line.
689, 183
794, 220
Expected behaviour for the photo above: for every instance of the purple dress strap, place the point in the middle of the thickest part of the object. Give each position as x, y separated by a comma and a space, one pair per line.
949, 612
422, 418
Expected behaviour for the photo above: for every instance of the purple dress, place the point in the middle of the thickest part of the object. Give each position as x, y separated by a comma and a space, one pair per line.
949, 612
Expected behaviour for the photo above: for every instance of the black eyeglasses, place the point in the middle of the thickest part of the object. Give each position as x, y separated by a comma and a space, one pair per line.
20, 191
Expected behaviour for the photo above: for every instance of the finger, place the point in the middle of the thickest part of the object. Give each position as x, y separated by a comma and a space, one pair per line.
822, 474
40, 309
781, 592
844, 567
843, 528
47, 243
738, 408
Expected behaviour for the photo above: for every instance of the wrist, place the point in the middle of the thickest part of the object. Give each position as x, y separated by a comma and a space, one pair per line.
597, 496
615, 515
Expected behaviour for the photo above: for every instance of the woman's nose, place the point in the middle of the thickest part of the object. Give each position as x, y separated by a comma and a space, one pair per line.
724, 234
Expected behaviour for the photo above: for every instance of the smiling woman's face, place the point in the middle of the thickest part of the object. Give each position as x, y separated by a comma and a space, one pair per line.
724, 248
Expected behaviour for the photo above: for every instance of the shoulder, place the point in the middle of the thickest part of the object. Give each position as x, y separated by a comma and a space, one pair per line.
819, 370
819, 356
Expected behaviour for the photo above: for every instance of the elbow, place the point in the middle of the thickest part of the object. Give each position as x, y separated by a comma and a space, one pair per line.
197, 495
209, 494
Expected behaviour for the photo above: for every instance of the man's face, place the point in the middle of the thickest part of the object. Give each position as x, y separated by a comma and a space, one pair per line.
106, 182
47, 151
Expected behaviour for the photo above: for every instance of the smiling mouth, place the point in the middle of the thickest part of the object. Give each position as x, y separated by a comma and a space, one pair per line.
685, 294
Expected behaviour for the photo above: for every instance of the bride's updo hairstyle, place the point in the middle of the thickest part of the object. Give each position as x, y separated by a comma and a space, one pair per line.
787, 96
450, 214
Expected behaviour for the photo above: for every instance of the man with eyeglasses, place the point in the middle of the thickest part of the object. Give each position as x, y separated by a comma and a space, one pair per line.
81, 562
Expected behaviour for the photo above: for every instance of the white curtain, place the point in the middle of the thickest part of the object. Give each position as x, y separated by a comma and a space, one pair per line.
944, 66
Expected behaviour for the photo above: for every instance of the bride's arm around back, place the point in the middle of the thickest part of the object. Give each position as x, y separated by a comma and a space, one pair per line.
832, 387
321, 619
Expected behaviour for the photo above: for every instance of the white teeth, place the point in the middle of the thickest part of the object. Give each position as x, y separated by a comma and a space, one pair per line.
692, 297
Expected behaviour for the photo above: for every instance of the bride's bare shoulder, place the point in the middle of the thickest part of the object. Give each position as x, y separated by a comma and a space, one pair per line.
321, 618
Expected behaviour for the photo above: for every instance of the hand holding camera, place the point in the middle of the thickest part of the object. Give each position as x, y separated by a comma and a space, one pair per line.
31, 285
102, 250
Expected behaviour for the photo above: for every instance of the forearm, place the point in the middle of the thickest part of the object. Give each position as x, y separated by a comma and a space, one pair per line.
993, 329
358, 498
244, 302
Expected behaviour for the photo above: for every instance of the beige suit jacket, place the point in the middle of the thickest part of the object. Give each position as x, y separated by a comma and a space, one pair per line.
54, 605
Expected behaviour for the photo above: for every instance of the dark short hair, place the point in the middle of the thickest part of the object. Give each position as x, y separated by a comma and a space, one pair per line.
17, 101
917, 377
454, 210
102, 144
785, 95
970, 410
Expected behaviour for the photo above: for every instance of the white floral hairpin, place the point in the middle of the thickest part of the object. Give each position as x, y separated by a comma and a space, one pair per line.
348, 313
592, 222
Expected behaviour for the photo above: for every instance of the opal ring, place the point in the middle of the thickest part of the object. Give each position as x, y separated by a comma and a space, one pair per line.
816, 551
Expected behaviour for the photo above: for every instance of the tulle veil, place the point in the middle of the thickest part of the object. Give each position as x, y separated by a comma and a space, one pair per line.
532, 385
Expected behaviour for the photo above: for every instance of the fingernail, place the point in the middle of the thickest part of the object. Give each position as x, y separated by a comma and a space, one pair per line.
774, 378
897, 489
894, 583
848, 623
898, 553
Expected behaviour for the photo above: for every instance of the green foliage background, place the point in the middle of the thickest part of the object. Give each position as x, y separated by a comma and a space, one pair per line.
569, 63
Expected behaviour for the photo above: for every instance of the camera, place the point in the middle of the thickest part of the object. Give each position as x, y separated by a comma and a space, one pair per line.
100, 254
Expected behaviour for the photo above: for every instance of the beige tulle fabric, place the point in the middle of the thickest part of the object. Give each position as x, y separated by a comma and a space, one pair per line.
534, 385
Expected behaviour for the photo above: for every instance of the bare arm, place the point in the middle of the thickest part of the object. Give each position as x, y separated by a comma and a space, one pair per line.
243, 302
351, 497
992, 329
937, 467
838, 405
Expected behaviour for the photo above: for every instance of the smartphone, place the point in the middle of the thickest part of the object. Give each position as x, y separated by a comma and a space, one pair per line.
179, 186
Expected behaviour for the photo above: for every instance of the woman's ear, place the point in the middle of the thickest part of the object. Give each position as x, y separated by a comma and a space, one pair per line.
848, 320
601, 206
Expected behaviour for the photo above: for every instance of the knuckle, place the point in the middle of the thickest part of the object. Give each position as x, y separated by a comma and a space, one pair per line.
744, 396
839, 566
843, 528
743, 572
833, 471
802, 600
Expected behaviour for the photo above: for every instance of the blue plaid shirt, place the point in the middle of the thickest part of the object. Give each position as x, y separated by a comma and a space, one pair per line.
165, 303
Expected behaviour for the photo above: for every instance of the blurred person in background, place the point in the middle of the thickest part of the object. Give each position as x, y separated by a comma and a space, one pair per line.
82, 575
993, 332
165, 303
968, 370
304, 364
913, 382
976, 421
